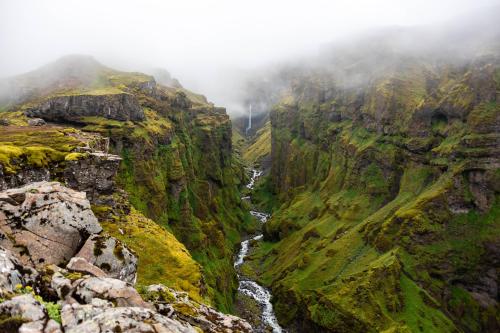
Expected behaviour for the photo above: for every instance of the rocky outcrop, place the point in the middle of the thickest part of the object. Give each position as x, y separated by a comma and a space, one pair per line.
27, 315
110, 255
93, 174
176, 304
84, 319
89, 171
45, 223
71, 108
12, 272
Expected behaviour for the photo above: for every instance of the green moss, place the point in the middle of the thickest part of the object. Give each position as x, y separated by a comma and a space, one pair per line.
162, 258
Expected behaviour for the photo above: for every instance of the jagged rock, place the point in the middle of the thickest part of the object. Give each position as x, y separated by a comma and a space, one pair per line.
117, 291
80, 265
45, 222
24, 176
118, 106
4, 122
121, 319
111, 256
36, 122
28, 314
93, 174
61, 285
181, 100
10, 271
178, 305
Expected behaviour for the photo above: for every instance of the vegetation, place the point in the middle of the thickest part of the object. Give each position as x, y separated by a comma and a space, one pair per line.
379, 224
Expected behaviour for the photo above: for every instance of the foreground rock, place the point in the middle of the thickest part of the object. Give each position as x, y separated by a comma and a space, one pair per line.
45, 223
26, 314
178, 305
119, 320
110, 255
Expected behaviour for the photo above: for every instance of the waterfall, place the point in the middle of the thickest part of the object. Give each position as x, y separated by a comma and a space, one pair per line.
249, 120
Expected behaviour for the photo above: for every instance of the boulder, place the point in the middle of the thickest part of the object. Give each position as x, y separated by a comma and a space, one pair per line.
178, 305
11, 272
85, 319
114, 290
45, 223
111, 256
28, 315
36, 122
117, 106
80, 265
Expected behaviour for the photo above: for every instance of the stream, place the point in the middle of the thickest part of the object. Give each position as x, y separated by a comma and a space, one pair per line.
251, 288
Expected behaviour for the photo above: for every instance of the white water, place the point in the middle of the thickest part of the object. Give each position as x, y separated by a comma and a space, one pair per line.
251, 288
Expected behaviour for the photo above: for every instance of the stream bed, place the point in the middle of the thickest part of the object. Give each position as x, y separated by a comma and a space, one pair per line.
262, 296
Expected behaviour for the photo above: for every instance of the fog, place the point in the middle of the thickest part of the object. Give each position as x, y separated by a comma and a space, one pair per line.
215, 47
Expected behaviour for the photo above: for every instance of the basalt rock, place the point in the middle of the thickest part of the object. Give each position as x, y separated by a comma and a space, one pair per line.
45, 223
94, 174
119, 106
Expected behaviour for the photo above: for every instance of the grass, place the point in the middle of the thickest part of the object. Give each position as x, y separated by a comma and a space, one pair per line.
162, 258
37, 147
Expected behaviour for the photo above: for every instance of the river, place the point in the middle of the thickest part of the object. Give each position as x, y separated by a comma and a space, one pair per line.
251, 288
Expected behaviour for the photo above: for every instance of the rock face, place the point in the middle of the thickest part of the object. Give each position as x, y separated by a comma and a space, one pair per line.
45, 223
93, 174
118, 106
387, 190
110, 255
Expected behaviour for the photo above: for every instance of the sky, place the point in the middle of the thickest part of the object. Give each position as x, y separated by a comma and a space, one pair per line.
204, 43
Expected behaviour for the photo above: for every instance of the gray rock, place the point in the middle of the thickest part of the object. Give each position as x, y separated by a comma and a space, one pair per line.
10, 272
119, 106
25, 307
124, 319
93, 174
80, 265
114, 290
45, 223
61, 285
4, 122
111, 256
36, 122
199, 315
31, 312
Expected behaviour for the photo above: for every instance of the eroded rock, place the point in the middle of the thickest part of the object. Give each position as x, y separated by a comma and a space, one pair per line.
114, 290
118, 106
178, 305
111, 256
45, 223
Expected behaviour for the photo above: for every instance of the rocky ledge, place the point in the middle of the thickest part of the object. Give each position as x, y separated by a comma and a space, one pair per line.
118, 106
60, 273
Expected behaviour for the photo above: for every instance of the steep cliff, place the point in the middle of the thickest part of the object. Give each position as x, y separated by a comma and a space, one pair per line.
389, 192
176, 164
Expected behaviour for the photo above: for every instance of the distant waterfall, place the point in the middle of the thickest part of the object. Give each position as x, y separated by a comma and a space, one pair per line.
249, 120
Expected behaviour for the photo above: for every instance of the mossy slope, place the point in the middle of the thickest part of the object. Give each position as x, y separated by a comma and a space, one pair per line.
389, 203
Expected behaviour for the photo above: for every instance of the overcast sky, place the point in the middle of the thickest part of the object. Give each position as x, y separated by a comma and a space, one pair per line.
197, 41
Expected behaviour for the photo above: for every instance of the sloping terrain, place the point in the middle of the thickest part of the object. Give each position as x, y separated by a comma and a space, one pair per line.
389, 200
177, 166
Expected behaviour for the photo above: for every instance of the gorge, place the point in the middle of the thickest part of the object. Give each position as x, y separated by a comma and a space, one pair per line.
356, 189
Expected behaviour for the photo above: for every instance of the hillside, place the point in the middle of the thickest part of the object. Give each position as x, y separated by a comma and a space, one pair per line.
177, 167
388, 189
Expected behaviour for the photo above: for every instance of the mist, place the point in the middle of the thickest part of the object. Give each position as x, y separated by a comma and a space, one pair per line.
219, 48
